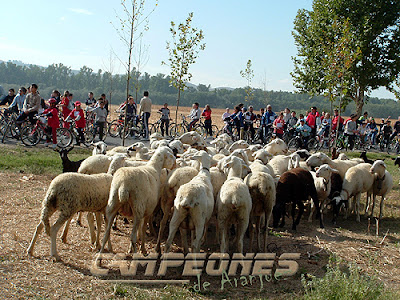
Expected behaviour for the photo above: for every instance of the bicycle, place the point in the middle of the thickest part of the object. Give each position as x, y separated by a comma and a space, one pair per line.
134, 127
391, 145
177, 130
156, 127
88, 134
31, 135
264, 134
214, 128
297, 142
8, 127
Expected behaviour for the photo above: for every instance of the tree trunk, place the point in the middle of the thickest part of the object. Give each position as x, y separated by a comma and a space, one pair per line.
359, 102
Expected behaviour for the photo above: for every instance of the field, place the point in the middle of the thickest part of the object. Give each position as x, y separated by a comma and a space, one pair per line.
26, 173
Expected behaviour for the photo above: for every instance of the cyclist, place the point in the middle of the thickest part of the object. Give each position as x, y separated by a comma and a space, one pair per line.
305, 132
79, 116
336, 121
53, 123
207, 122
226, 117
249, 118
387, 131
194, 115
313, 120
267, 119
396, 128
31, 106
164, 118
100, 119
350, 130
145, 111
373, 130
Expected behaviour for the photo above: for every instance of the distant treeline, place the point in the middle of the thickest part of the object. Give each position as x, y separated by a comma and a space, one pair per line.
61, 77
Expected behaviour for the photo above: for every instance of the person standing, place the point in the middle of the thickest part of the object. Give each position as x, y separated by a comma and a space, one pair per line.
207, 119
90, 101
194, 115
249, 119
65, 108
103, 96
278, 125
313, 120
164, 119
79, 116
100, 118
350, 130
52, 123
31, 105
145, 111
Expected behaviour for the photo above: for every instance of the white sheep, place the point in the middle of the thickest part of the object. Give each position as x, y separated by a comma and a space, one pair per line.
317, 159
119, 161
95, 164
357, 180
234, 205
135, 191
194, 200
253, 149
263, 194
190, 138
240, 144
383, 183
175, 180
70, 193
176, 146
142, 152
276, 146
99, 148
155, 144
322, 181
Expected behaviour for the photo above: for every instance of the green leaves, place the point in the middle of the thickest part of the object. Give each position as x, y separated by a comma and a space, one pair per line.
248, 74
347, 47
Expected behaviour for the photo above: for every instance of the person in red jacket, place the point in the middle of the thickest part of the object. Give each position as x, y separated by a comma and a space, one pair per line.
207, 116
52, 123
278, 125
312, 120
78, 115
65, 107
336, 121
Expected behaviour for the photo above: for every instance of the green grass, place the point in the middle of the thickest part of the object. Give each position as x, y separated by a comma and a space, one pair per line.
344, 282
35, 160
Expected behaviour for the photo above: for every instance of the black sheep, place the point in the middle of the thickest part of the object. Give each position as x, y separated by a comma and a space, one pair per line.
363, 155
68, 165
397, 161
294, 186
336, 188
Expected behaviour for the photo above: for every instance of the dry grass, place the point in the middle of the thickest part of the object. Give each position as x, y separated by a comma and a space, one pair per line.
39, 277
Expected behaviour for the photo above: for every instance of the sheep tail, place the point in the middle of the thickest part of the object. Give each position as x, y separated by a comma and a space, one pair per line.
48, 208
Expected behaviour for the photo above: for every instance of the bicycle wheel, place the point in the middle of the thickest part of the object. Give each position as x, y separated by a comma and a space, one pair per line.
89, 134
114, 128
30, 138
294, 144
177, 130
64, 137
215, 131
312, 144
201, 130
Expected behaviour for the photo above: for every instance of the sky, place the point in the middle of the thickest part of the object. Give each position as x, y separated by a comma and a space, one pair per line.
77, 33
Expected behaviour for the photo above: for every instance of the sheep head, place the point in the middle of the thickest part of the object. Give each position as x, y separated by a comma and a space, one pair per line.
379, 167
317, 159
277, 146
325, 171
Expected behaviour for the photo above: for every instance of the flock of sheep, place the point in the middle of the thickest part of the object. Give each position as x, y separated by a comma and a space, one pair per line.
192, 185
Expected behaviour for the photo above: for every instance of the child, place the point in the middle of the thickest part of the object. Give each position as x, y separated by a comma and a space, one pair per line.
350, 130
78, 115
194, 115
100, 119
207, 116
164, 118
65, 108
278, 125
52, 122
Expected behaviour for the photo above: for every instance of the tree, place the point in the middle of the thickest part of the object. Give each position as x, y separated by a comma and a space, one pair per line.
132, 27
248, 74
183, 52
375, 33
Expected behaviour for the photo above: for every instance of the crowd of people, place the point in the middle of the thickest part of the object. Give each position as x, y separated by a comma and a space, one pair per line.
61, 110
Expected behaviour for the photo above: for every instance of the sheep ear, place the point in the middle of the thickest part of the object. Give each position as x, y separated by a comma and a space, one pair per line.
334, 170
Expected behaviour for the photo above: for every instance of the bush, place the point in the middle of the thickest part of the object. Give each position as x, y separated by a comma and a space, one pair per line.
344, 283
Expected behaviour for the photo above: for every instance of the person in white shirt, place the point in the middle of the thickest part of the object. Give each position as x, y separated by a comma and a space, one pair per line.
145, 111
194, 115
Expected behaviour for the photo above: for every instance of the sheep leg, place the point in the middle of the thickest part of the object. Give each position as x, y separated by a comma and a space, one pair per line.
381, 208
177, 219
357, 207
53, 235
109, 221
242, 227
90, 219
163, 223
39, 229
142, 232
258, 233
373, 204
300, 204
251, 229
199, 225
79, 219
136, 224
65, 232
222, 224
268, 215
312, 209
184, 241
98, 222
